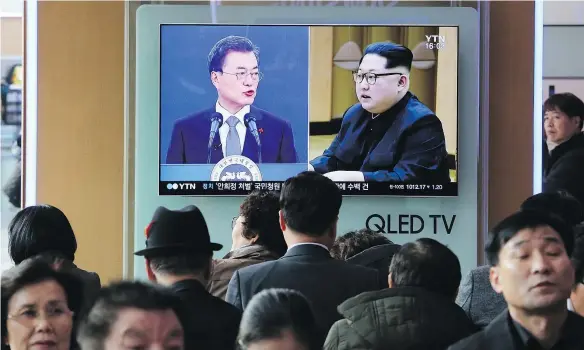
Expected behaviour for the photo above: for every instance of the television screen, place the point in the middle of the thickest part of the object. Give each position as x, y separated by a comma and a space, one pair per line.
245, 107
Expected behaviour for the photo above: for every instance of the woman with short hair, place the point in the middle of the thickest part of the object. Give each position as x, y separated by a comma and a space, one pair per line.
39, 305
44, 230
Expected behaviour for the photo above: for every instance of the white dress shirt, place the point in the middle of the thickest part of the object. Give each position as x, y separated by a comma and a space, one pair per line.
318, 244
224, 129
570, 305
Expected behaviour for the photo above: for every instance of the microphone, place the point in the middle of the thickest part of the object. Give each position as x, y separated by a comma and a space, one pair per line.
250, 122
216, 122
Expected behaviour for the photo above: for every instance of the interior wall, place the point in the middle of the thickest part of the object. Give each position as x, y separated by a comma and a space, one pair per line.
81, 124
563, 51
11, 36
563, 13
510, 107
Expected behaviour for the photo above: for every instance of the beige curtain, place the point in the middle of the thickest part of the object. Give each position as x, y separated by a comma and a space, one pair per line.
423, 82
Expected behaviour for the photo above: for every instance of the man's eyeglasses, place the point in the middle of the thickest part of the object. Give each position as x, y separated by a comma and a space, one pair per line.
255, 76
371, 78
57, 312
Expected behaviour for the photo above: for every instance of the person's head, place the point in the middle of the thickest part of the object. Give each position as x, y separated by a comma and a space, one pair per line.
234, 70
133, 315
40, 229
178, 245
279, 319
258, 223
578, 262
38, 306
529, 253
563, 116
559, 203
309, 207
383, 76
428, 264
354, 242
173, 267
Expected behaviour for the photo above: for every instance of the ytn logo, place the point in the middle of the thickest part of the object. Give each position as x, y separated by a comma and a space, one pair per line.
436, 39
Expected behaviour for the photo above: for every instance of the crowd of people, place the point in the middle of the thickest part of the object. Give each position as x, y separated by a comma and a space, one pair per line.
290, 282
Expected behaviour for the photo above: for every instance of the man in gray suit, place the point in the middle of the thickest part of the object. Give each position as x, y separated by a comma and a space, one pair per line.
478, 299
309, 209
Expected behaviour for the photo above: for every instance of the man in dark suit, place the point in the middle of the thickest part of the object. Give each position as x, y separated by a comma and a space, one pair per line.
389, 135
309, 208
234, 70
178, 254
529, 253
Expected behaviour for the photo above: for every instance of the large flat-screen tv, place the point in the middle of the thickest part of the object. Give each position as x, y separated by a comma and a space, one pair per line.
245, 107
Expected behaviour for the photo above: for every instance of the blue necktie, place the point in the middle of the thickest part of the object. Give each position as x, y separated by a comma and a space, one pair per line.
233, 145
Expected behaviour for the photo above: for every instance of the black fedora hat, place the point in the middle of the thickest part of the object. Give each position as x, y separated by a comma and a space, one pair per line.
173, 231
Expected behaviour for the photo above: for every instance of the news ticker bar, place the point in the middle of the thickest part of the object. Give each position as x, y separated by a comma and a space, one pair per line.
210, 188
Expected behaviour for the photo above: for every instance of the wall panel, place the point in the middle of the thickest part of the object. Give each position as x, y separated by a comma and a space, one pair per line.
81, 124
11, 33
510, 107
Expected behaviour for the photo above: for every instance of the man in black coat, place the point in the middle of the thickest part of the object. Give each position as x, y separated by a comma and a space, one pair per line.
564, 164
530, 257
178, 255
416, 312
389, 135
309, 209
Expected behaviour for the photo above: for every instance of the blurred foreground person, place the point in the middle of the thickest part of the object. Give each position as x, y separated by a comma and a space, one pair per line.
279, 319
576, 301
529, 252
476, 295
39, 306
133, 315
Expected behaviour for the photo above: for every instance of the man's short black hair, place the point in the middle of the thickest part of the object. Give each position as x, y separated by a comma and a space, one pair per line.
560, 203
354, 242
260, 211
310, 203
578, 253
274, 311
40, 229
526, 219
567, 103
395, 54
428, 264
96, 327
232, 43
181, 264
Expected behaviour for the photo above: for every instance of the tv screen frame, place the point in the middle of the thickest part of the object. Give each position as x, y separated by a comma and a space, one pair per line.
212, 187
